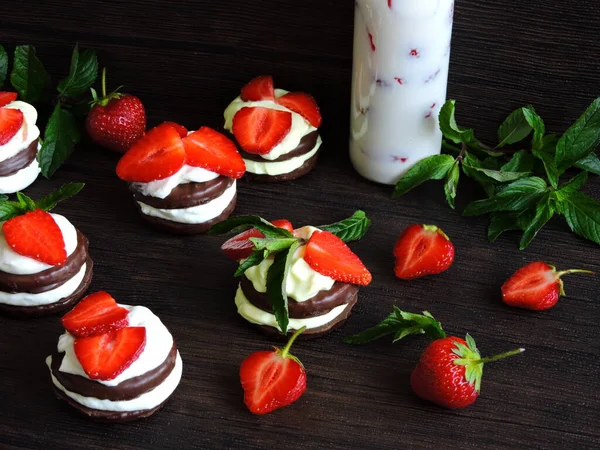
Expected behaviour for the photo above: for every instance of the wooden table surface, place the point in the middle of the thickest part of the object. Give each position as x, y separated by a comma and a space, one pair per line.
187, 60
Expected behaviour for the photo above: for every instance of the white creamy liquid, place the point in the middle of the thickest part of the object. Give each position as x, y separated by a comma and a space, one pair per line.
400, 74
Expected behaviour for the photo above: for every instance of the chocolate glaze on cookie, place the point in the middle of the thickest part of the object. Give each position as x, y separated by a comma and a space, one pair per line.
186, 195
307, 143
308, 165
18, 162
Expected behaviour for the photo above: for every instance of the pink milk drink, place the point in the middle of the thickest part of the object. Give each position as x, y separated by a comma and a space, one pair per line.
400, 75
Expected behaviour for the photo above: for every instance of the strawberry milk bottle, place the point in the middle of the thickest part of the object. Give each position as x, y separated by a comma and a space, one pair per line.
400, 74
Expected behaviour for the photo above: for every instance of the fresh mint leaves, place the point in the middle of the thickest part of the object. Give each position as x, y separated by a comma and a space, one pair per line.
3, 66
82, 74
523, 185
24, 204
350, 229
28, 77
61, 135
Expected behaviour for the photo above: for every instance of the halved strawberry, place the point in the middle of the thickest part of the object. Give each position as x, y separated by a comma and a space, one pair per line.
213, 151
10, 123
422, 250
106, 356
303, 104
157, 155
37, 236
7, 97
183, 132
240, 246
330, 256
259, 129
97, 313
260, 88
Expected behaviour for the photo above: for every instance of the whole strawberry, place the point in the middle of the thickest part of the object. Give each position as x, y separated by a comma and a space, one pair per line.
116, 121
450, 370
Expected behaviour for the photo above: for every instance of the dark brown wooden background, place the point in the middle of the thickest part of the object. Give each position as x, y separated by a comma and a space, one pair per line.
187, 60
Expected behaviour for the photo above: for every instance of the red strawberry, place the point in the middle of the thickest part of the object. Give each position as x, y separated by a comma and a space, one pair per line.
330, 256
10, 123
183, 132
536, 286
35, 234
450, 370
105, 356
259, 129
422, 250
303, 104
260, 88
158, 155
7, 97
211, 150
240, 246
116, 121
97, 313
272, 379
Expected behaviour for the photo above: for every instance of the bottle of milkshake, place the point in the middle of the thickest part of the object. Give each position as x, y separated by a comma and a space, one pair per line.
400, 75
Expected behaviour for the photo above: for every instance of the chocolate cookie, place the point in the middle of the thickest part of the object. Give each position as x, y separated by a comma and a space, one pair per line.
308, 165
18, 162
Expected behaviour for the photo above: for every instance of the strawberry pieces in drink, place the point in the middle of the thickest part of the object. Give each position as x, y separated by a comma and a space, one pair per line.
183, 132
11, 121
328, 255
97, 313
240, 246
36, 235
258, 130
7, 97
303, 104
213, 151
260, 88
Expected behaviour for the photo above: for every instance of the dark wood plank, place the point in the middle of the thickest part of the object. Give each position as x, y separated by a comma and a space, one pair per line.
187, 61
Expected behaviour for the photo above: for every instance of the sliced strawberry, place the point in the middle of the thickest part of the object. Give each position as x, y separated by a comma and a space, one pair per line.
422, 250
240, 246
10, 123
37, 236
7, 97
183, 132
259, 129
260, 88
303, 104
106, 356
213, 151
330, 256
157, 155
96, 314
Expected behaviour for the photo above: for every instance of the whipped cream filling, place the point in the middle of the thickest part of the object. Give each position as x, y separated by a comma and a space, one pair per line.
187, 174
194, 214
159, 342
12, 262
21, 179
256, 315
300, 126
281, 167
45, 298
302, 282
28, 132
148, 400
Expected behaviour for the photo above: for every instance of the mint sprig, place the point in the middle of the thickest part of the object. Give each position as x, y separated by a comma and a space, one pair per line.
82, 73
28, 77
24, 204
523, 185
350, 229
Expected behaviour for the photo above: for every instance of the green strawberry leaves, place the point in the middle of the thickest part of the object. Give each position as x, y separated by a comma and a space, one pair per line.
24, 204
350, 229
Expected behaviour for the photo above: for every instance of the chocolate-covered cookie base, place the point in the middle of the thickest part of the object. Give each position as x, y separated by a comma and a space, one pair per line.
20, 161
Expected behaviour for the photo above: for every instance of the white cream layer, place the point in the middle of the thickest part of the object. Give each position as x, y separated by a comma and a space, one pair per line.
148, 400
21, 179
195, 214
12, 262
44, 298
28, 132
187, 174
300, 126
159, 342
281, 167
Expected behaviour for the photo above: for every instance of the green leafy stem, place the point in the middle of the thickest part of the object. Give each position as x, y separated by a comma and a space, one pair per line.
24, 204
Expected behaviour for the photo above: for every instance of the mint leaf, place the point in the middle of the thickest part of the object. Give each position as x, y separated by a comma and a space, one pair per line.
449, 127
401, 324
580, 139
62, 193
8, 210
60, 137
253, 260
535, 122
502, 177
543, 213
241, 223
276, 285
514, 129
451, 184
272, 245
82, 74
501, 222
574, 185
26, 203
350, 229
28, 77
521, 161
517, 196
3, 197
547, 159
3, 66
590, 163
582, 214
432, 168
470, 165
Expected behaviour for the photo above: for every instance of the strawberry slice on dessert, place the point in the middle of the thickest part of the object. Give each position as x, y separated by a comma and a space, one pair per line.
106, 356
213, 151
330, 256
37, 236
258, 130
183, 132
7, 97
260, 88
97, 313
303, 104
11, 121
157, 155
240, 246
